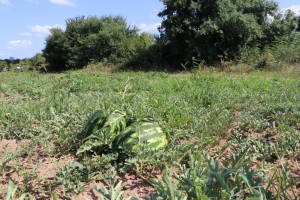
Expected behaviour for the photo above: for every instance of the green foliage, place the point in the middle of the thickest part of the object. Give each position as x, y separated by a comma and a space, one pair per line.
38, 62
209, 181
146, 54
196, 111
73, 176
227, 29
282, 25
114, 191
214, 29
95, 122
106, 39
167, 189
286, 48
11, 190
56, 49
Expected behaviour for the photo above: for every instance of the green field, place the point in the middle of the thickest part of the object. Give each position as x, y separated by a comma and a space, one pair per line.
229, 136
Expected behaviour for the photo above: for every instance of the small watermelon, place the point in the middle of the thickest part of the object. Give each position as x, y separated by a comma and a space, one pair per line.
144, 134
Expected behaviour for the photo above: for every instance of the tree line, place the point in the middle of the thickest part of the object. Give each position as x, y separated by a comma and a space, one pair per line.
191, 30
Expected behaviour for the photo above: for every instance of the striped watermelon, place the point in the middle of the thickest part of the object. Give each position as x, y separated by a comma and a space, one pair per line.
144, 134
101, 131
95, 122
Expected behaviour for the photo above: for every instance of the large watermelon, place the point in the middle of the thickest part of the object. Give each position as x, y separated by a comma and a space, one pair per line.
142, 135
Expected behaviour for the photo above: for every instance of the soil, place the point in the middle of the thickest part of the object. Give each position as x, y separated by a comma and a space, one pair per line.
47, 166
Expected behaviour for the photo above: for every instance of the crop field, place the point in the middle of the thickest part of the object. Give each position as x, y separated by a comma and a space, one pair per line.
228, 136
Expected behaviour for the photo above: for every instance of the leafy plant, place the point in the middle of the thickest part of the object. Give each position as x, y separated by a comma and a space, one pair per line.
11, 190
114, 191
166, 188
73, 176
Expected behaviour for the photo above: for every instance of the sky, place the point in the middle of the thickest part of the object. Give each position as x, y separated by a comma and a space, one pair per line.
25, 23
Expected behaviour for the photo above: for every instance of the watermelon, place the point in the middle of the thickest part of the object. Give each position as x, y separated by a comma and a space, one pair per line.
100, 131
94, 123
116, 122
142, 135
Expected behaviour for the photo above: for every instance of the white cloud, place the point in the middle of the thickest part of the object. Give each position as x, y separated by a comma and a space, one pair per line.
149, 28
295, 9
39, 30
63, 2
5, 2
26, 34
17, 44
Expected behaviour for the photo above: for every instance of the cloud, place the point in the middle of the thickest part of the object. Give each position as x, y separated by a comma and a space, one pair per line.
17, 44
294, 8
26, 34
5, 2
149, 28
39, 30
63, 2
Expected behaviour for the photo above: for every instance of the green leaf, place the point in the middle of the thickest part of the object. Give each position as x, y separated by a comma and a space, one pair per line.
11, 190
244, 177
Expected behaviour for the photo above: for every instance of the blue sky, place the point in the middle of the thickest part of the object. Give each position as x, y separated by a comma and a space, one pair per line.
25, 23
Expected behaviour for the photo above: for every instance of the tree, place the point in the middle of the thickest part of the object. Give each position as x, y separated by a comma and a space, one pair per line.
281, 25
90, 39
210, 29
56, 50
37, 62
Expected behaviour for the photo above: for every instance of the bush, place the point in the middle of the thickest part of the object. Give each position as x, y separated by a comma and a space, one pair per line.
85, 40
268, 61
38, 62
287, 48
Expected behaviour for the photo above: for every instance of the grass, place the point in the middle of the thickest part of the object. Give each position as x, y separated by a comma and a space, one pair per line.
256, 116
